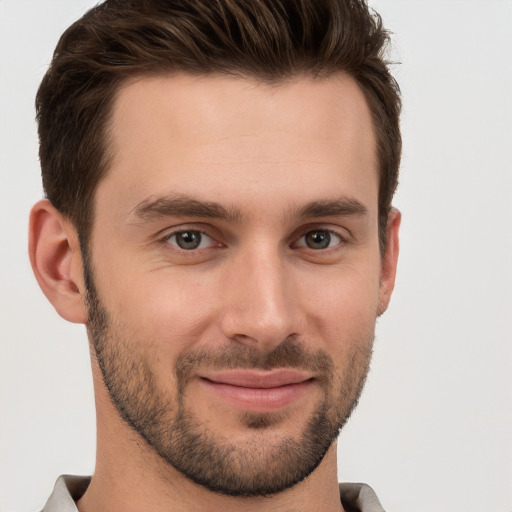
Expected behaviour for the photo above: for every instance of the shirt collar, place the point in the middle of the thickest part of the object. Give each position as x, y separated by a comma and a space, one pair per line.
68, 489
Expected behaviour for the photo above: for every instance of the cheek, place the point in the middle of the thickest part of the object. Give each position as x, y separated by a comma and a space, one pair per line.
345, 325
343, 311
166, 309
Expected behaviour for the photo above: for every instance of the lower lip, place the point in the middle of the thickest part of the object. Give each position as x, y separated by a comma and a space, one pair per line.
259, 399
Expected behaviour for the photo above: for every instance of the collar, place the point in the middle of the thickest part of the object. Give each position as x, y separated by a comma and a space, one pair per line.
69, 488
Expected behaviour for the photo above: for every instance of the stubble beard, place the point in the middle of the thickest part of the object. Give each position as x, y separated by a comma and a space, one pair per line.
263, 464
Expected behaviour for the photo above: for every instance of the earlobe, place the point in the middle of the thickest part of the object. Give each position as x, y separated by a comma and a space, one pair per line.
389, 261
56, 261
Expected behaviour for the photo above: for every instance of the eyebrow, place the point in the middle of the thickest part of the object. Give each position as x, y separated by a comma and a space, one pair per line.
185, 206
342, 206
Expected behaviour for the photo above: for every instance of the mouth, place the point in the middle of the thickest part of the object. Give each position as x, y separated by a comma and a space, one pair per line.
256, 390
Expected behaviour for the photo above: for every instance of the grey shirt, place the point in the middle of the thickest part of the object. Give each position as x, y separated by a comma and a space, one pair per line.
69, 488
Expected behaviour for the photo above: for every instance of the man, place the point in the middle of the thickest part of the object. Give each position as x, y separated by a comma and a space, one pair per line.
219, 178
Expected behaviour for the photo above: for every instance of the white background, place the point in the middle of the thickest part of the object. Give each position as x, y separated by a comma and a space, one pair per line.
433, 430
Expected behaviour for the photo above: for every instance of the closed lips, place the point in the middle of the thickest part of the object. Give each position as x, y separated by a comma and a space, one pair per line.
258, 391
258, 379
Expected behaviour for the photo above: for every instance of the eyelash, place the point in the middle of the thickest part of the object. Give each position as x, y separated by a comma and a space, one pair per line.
330, 234
339, 238
168, 237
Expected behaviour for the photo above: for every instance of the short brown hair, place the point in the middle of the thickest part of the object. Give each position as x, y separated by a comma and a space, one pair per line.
268, 40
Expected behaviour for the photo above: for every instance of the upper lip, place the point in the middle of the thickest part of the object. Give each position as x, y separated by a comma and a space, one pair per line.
262, 379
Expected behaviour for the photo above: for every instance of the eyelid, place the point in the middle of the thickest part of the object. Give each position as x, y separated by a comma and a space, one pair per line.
168, 233
203, 240
331, 233
342, 234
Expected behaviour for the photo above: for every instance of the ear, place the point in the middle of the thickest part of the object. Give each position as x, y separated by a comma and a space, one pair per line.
389, 261
56, 260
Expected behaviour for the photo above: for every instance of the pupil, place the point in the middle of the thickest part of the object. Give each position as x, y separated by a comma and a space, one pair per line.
188, 239
318, 239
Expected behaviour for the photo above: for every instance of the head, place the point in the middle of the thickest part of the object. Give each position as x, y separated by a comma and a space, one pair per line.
223, 175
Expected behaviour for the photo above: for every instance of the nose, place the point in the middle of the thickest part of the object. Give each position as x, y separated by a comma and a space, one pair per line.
260, 303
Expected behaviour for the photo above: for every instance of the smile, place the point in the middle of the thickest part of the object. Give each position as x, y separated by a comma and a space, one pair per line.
259, 391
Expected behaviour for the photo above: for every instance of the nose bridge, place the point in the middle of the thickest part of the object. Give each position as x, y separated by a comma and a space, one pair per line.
260, 308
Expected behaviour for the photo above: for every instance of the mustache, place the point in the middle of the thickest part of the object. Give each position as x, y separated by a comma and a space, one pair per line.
291, 353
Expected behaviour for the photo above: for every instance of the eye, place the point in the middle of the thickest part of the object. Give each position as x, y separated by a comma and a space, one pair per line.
190, 240
319, 239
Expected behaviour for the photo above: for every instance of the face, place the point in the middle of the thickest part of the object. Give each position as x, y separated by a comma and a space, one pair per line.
233, 272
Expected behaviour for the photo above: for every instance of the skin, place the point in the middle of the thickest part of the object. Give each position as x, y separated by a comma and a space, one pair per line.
265, 152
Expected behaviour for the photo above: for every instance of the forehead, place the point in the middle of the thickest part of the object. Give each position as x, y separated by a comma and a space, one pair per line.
229, 137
